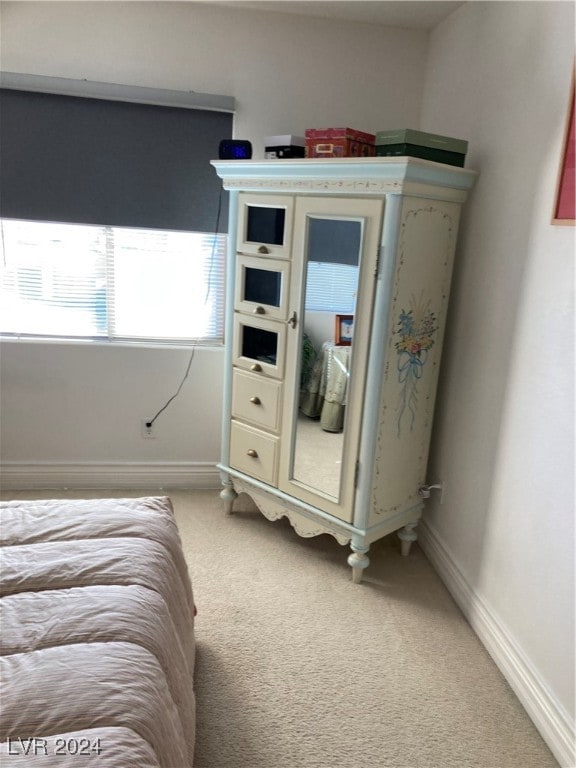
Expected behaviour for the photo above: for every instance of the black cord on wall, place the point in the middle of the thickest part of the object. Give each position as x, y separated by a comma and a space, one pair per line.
208, 288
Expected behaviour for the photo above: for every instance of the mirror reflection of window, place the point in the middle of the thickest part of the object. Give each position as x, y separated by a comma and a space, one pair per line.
332, 271
331, 287
336, 241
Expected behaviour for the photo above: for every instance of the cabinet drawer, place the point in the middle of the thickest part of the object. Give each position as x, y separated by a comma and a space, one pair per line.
254, 452
257, 400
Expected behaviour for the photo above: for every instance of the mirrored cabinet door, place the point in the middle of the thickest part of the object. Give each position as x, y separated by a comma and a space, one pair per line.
265, 225
262, 286
335, 250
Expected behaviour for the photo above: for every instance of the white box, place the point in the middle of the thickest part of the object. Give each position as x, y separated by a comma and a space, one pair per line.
285, 141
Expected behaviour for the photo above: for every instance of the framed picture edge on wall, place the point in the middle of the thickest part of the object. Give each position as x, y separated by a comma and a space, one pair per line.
344, 330
565, 198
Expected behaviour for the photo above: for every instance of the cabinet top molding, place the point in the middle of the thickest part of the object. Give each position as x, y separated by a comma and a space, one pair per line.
349, 175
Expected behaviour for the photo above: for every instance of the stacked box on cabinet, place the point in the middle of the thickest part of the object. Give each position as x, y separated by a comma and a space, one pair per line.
338, 142
429, 146
284, 147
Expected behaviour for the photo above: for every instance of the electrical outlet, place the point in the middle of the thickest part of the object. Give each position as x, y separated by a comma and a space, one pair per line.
147, 430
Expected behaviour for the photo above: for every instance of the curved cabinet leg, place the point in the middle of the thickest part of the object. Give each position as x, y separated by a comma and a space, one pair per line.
228, 496
358, 560
407, 535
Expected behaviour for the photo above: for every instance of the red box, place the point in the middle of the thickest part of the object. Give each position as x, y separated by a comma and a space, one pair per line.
339, 142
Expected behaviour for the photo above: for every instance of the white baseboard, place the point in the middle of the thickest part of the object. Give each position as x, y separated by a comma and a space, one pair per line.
545, 711
95, 475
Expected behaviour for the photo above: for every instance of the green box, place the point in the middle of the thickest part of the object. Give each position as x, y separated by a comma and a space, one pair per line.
421, 139
426, 153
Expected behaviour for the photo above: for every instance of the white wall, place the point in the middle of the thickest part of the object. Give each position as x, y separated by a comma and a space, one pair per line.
288, 73
66, 406
499, 74
85, 403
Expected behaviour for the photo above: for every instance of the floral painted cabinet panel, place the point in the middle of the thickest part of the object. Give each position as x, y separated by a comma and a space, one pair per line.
416, 321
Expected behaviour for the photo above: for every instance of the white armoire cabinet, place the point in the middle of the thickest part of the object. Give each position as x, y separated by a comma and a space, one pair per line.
338, 284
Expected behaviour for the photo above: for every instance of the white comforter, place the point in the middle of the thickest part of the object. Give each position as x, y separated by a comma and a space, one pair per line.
97, 639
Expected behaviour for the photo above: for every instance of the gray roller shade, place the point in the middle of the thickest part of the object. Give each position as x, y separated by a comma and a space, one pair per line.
334, 241
94, 161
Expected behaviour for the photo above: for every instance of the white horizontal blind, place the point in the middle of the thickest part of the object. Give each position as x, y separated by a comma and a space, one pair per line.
78, 281
52, 279
331, 287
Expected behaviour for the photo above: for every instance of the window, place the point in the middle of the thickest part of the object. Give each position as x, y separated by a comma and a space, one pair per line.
334, 247
331, 287
114, 283
130, 252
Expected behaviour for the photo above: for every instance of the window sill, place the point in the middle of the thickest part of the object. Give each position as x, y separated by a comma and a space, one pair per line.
110, 344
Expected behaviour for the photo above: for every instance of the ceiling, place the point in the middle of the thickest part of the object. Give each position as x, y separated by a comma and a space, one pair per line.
413, 14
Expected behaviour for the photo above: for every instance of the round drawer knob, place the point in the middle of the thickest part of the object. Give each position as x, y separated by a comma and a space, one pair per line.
259, 310
256, 367
263, 249
251, 452
255, 400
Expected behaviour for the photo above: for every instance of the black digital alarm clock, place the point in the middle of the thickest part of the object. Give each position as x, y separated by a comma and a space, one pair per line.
235, 149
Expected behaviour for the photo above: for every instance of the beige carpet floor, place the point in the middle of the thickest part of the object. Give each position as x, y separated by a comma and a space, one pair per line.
300, 668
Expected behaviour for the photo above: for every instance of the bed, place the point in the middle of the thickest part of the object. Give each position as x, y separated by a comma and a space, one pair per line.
97, 641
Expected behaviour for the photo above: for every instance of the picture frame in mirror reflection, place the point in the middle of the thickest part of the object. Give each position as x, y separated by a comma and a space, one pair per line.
344, 330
